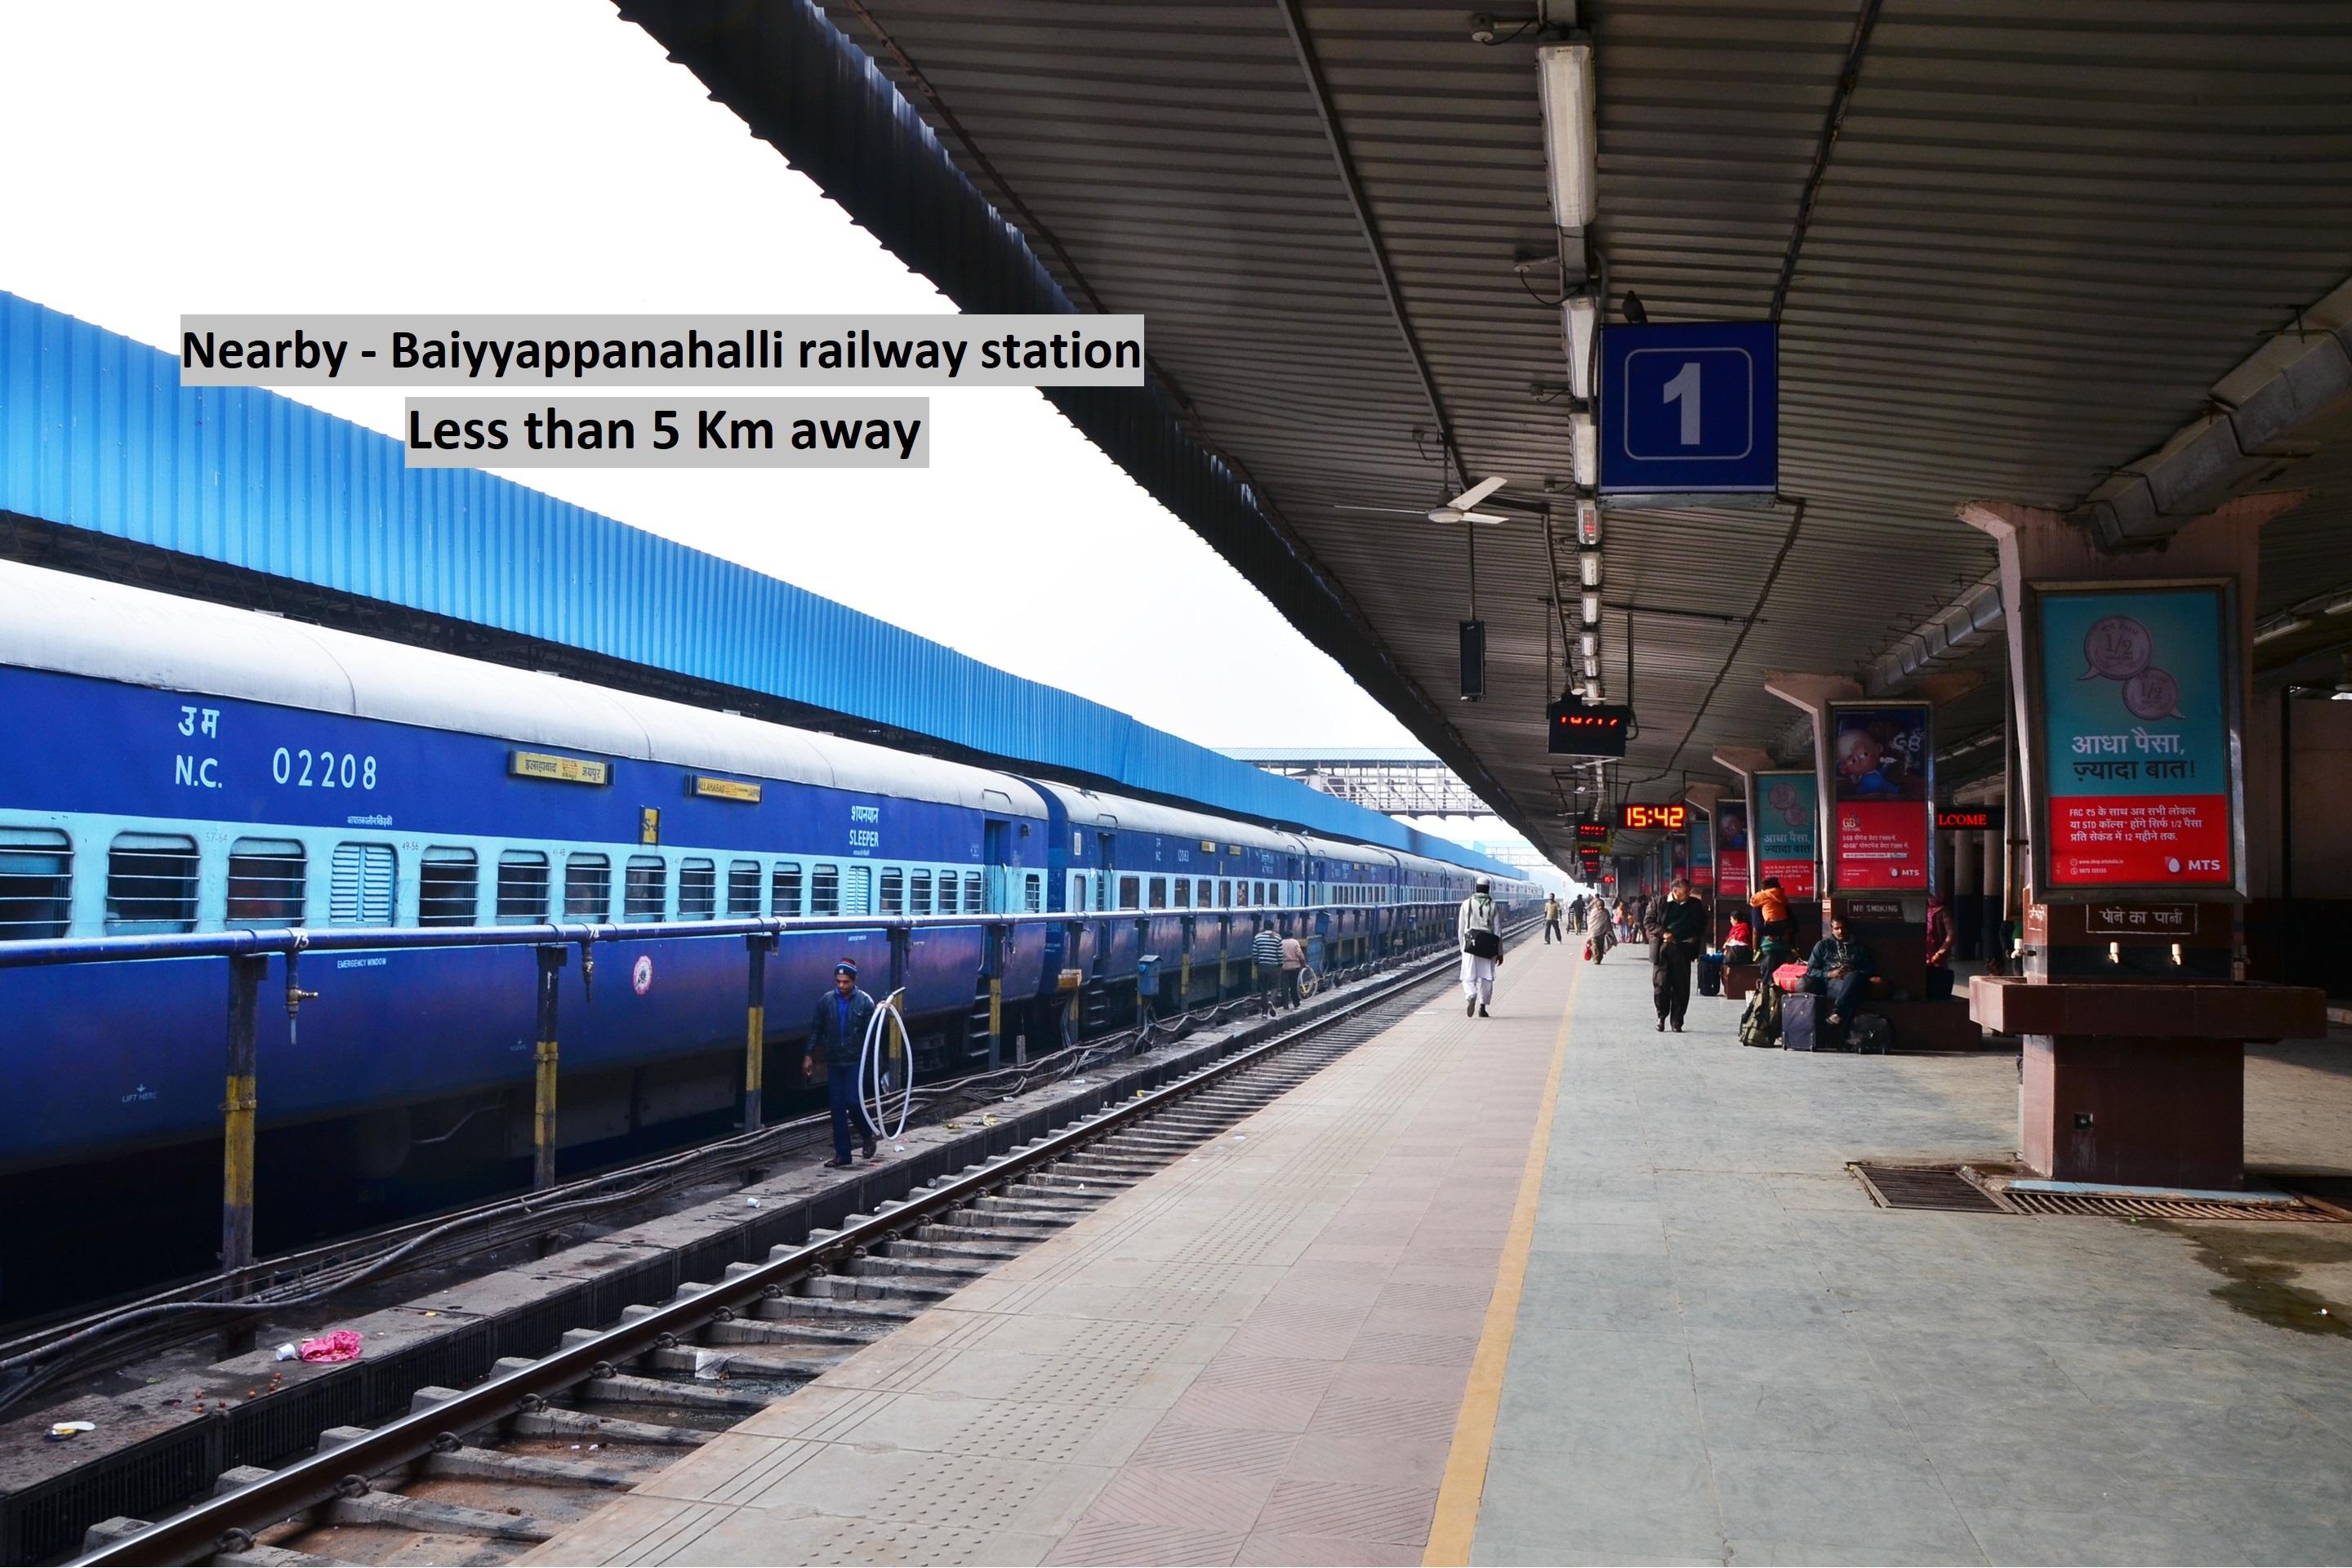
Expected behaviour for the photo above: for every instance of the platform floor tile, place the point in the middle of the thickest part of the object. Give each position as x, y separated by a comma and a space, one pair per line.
1255, 1355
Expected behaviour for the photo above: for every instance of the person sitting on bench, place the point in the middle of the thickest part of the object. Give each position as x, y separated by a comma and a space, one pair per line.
1838, 969
1740, 941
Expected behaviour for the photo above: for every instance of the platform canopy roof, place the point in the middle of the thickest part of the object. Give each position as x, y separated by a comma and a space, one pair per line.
2035, 252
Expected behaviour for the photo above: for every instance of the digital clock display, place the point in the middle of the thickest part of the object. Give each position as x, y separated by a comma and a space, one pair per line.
1633, 817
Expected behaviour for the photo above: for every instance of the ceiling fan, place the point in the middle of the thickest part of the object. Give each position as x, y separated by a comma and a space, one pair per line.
1463, 508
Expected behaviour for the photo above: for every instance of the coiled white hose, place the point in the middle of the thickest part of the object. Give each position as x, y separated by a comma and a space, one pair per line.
873, 1087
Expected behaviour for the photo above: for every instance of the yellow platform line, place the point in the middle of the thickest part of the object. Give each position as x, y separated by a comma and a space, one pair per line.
1465, 1487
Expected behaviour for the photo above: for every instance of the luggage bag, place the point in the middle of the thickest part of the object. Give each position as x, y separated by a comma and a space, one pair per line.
1709, 968
1804, 1023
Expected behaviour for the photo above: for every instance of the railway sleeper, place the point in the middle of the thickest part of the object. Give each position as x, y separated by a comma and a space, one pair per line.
357, 1503
622, 1388
826, 1310
699, 1361
995, 1232
453, 1458
803, 1337
106, 1533
885, 1266
951, 1250
553, 1421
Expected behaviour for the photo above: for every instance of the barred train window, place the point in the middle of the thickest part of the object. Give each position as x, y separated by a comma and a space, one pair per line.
35, 883
975, 893
1159, 893
522, 887
787, 889
645, 892
587, 888
151, 882
1033, 893
918, 893
744, 890
697, 890
265, 882
1183, 892
946, 892
446, 883
1130, 892
363, 880
857, 890
1225, 893
825, 891
894, 890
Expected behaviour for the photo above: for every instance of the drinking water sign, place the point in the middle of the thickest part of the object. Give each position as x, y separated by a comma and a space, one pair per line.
1689, 408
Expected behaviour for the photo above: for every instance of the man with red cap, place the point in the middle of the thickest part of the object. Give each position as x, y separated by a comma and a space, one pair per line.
836, 1037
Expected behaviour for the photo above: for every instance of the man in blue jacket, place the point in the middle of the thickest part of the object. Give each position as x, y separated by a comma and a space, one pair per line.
1838, 969
836, 1037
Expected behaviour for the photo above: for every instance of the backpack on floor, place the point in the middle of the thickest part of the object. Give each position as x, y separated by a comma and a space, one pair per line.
1760, 1025
1870, 1035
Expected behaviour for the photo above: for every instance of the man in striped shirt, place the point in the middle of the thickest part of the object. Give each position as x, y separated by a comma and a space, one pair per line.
1266, 951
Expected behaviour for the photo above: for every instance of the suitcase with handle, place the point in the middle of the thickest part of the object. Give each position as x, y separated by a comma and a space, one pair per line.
1804, 1023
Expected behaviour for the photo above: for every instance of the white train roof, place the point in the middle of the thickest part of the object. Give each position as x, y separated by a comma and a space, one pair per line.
1094, 808
82, 626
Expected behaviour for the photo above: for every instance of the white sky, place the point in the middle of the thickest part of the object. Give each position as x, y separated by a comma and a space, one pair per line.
540, 155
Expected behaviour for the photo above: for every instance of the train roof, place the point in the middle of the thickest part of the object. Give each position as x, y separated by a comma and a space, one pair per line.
1096, 808
110, 631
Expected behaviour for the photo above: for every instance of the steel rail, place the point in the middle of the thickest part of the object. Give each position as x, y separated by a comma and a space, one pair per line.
207, 1529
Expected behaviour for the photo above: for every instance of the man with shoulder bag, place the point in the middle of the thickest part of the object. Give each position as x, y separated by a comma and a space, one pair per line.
1676, 928
1482, 949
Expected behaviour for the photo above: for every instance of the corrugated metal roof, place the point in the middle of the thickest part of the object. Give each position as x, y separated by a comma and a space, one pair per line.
97, 434
2043, 235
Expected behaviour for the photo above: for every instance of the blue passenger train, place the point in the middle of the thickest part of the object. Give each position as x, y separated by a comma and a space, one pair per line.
180, 766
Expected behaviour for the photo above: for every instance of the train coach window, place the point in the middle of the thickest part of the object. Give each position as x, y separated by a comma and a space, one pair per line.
975, 893
948, 893
744, 890
857, 890
919, 892
150, 883
1130, 892
587, 888
522, 887
1033, 893
35, 883
824, 890
645, 889
363, 880
265, 882
697, 890
1224, 893
786, 887
446, 887
1183, 892
1159, 893
893, 891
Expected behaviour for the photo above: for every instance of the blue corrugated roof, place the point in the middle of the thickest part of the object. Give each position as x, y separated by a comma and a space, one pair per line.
97, 433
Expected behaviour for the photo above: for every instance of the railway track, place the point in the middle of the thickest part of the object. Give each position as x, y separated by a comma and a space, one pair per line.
482, 1475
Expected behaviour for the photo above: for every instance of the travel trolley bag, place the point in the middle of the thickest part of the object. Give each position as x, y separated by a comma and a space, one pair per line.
1870, 1035
1804, 1023
1708, 970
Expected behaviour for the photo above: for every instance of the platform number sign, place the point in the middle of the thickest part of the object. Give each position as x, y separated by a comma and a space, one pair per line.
1689, 408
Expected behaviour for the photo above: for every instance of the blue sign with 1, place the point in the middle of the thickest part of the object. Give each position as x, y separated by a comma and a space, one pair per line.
1689, 408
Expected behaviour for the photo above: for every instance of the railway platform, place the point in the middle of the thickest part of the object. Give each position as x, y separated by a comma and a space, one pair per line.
1551, 1286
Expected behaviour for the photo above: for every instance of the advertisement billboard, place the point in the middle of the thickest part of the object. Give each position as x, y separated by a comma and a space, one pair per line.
1881, 782
2137, 699
1701, 854
1730, 834
1786, 805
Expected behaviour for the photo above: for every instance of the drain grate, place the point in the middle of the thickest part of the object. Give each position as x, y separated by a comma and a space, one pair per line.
1924, 1187
2119, 1206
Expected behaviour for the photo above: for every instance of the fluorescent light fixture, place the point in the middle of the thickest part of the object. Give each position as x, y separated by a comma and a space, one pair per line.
1584, 443
1580, 316
1588, 645
1564, 87
1592, 690
1588, 566
1591, 670
1588, 525
2283, 629
1589, 604
2342, 606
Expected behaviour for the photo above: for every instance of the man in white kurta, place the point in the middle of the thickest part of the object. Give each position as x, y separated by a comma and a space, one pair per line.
1477, 913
